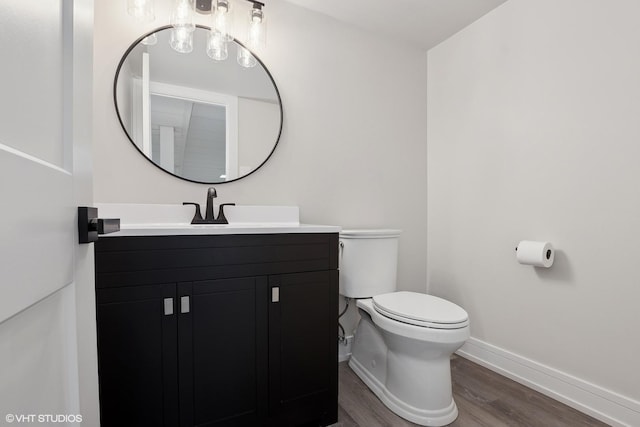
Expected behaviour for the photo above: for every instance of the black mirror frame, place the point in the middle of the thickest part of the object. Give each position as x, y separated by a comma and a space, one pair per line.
115, 103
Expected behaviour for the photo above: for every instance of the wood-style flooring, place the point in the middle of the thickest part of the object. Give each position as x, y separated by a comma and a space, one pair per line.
484, 398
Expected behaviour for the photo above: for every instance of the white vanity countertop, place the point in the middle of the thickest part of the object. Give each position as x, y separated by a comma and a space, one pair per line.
174, 220
188, 229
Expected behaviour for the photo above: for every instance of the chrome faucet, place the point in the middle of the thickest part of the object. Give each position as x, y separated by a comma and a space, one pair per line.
209, 217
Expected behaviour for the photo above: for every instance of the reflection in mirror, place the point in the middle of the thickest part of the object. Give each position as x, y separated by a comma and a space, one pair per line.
201, 120
189, 137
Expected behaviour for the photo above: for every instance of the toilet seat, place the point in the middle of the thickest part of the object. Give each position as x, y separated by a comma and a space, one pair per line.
422, 310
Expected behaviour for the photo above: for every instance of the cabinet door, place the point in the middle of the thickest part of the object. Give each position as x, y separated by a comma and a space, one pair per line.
137, 356
223, 352
303, 365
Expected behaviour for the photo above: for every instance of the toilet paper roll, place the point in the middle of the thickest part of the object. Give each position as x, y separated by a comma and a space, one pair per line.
538, 254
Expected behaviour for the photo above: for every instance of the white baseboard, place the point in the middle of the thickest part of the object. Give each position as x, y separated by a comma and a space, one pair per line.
344, 349
605, 405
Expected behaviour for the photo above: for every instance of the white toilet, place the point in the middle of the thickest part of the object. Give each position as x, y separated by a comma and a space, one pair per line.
404, 340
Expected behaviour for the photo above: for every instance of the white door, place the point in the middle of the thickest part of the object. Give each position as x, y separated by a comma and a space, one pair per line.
46, 66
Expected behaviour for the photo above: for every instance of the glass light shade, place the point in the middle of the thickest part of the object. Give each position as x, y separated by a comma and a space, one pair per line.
141, 10
150, 40
182, 15
257, 35
181, 40
223, 20
245, 58
217, 46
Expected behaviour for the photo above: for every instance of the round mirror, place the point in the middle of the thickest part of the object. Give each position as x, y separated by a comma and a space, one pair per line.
199, 119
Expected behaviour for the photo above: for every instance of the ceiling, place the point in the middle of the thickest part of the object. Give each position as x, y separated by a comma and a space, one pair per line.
422, 23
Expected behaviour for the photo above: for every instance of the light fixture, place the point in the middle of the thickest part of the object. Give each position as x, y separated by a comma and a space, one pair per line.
204, 7
222, 20
182, 21
221, 30
245, 58
141, 10
217, 46
150, 40
181, 39
256, 36
183, 26
182, 15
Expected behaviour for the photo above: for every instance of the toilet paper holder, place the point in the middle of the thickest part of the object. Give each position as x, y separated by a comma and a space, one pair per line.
535, 253
548, 254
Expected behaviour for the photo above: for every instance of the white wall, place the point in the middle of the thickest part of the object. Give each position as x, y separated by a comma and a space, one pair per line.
353, 148
533, 134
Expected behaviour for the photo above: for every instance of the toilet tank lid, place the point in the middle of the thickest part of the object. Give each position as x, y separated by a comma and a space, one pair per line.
421, 307
370, 233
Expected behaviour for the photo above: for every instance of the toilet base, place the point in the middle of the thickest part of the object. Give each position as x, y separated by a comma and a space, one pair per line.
423, 417
407, 366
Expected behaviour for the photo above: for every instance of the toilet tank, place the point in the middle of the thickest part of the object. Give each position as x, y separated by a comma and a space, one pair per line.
368, 261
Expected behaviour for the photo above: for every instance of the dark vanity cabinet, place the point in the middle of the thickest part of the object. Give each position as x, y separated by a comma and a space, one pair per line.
217, 330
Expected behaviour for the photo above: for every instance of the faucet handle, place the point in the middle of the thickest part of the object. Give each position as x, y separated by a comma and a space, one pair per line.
221, 218
197, 218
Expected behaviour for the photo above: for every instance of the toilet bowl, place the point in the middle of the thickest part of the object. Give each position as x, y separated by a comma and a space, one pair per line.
404, 340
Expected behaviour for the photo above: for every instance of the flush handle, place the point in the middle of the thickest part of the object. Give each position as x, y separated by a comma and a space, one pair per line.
275, 294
